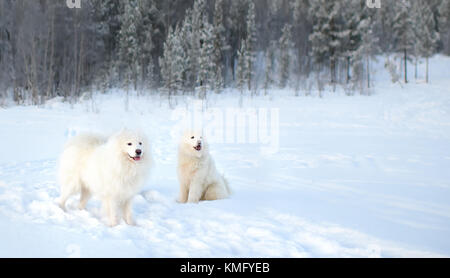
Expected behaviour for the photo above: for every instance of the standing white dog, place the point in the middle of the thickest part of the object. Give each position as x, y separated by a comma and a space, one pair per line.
112, 169
197, 174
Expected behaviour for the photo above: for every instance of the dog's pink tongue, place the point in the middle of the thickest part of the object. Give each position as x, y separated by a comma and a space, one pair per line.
137, 158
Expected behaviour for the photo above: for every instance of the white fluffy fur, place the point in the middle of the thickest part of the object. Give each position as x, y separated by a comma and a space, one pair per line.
197, 173
105, 168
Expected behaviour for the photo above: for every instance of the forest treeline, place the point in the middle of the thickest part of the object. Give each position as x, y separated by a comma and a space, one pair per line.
203, 46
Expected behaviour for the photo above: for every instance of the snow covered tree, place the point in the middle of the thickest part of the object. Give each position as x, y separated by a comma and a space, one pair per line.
250, 45
427, 36
285, 46
7, 75
241, 67
172, 62
301, 28
145, 34
325, 37
220, 45
129, 48
206, 66
367, 50
236, 27
361, 44
353, 14
197, 21
188, 76
403, 33
444, 24
270, 66
196, 36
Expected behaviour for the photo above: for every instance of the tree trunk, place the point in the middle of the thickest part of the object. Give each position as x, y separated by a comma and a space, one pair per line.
75, 56
415, 69
405, 66
52, 54
333, 72
348, 70
368, 72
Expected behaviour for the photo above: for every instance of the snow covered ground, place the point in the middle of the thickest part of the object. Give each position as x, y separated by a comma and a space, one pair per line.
350, 177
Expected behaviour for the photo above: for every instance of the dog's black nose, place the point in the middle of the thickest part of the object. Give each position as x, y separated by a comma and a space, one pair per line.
138, 152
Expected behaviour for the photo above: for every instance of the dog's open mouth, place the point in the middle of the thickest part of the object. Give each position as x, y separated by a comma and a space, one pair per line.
198, 147
135, 158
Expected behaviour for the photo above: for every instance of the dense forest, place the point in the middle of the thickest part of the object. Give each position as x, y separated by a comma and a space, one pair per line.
203, 46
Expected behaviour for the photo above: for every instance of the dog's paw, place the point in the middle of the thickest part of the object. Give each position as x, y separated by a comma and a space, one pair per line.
130, 222
113, 223
193, 201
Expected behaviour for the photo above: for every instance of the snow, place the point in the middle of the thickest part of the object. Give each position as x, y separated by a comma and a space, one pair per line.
351, 177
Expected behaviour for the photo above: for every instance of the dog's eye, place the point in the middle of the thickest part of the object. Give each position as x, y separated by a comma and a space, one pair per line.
192, 137
140, 143
129, 144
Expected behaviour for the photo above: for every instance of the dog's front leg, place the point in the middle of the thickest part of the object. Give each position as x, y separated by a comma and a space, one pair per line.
196, 188
127, 213
184, 193
195, 193
109, 206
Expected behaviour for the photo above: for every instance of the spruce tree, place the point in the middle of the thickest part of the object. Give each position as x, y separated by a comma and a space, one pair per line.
250, 45
147, 45
326, 37
241, 67
270, 66
206, 65
220, 45
171, 62
403, 33
427, 36
129, 48
285, 46
444, 24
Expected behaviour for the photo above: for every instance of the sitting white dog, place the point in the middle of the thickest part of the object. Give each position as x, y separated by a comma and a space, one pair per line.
112, 169
197, 174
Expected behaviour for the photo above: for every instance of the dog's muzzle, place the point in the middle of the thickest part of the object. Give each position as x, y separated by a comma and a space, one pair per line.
135, 158
198, 147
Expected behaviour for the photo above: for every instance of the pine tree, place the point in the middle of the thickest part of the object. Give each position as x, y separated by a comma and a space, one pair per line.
7, 73
193, 31
129, 48
444, 24
197, 23
326, 38
403, 33
241, 67
353, 15
188, 76
171, 62
285, 46
236, 28
206, 66
250, 45
368, 49
220, 45
427, 37
300, 27
270, 66
362, 44
145, 34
